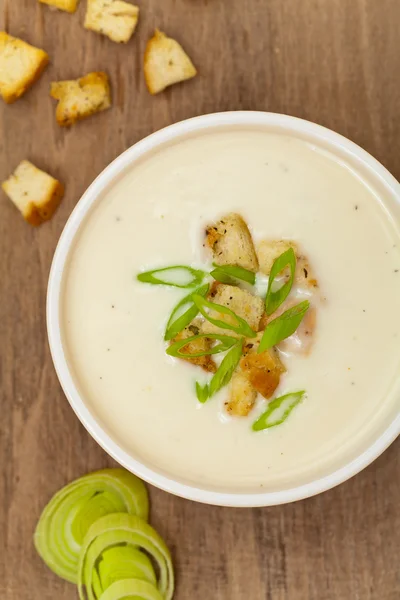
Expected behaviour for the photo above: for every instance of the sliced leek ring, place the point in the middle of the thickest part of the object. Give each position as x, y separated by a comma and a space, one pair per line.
131, 589
114, 532
70, 513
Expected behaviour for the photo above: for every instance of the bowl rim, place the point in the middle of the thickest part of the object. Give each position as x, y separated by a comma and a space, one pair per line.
282, 122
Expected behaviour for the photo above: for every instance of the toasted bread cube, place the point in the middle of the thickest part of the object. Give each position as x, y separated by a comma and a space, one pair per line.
67, 5
242, 395
114, 18
231, 243
165, 63
270, 250
20, 66
35, 193
245, 305
263, 370
81, 98
201, 345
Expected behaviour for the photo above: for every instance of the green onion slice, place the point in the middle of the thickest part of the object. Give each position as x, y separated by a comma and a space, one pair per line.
179, 319
70, 513
241, 327
274, 299
179, 276
225, 370
230, 274
278, 411
202, 392
226, 342
131, 589
283, 326
223, 375
116, 531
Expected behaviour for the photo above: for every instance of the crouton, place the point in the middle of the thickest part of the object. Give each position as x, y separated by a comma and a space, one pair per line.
231, 243
165, 63
245, 305
269, 250
20, 66
114, 18
201, 345
242, 395
67, 5
262, 370
35, 193
81, 98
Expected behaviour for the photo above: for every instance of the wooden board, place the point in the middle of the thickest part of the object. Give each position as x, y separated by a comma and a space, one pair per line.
336, 62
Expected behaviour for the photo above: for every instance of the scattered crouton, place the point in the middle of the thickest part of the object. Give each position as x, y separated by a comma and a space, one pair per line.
35, 193
231, 243
67, 5
81, 98
242, 395
20, 66
269, 250
245, 305
114, 18
201, 345
263, 370
165, 63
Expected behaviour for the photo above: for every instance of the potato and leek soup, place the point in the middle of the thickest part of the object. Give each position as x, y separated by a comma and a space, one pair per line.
230, 310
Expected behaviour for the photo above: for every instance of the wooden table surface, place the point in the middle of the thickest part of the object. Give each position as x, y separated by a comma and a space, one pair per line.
336, 62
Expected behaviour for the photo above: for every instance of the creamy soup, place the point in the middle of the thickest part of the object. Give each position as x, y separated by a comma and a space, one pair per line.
154, 215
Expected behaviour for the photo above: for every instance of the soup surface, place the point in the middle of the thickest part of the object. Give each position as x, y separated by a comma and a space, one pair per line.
154, 215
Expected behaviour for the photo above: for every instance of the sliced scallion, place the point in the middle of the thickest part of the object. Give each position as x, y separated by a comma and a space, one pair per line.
278, 411
283, 326
202, 392
241, 327
226, 342
179, 319
223, 374
274, 299
231, 274
225, 370
179, 276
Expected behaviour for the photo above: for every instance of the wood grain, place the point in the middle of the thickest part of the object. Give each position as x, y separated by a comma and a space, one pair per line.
336, 62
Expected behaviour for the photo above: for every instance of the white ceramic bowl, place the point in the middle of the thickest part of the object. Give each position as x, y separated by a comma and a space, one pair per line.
314, 134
